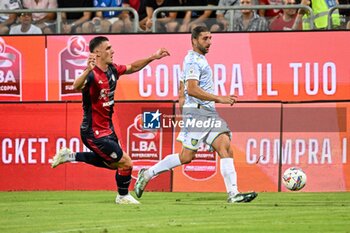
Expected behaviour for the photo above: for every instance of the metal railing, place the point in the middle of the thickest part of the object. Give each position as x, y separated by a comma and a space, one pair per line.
330, 12
59, 12
231, 9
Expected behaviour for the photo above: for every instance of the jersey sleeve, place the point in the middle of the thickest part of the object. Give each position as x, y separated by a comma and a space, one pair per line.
89, 79
191, 71
121, 69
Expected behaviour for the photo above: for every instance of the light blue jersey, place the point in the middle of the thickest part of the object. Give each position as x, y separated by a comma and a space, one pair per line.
196, 67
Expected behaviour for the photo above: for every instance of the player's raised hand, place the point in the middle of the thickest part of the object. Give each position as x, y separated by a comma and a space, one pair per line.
227, 99
91, 61
162, 52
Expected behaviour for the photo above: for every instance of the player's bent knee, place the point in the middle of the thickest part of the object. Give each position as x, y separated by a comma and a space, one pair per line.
126, 160
185, 160
113, 165
187, 156
225, 152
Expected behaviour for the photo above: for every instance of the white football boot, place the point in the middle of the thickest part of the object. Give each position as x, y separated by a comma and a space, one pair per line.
126, 199
64, 155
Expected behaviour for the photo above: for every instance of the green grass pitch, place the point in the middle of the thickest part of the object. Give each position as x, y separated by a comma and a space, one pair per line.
95, 211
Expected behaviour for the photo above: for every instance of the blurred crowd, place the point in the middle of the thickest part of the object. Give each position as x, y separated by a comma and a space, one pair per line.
122, 20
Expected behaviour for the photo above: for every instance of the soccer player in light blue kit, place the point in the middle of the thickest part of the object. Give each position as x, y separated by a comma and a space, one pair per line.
199, 107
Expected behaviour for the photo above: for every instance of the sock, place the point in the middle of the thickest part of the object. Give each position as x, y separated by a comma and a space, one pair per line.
229, 174
123, 179
90, 158
169, 162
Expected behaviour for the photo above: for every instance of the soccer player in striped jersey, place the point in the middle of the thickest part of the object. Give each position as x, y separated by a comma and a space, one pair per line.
98, 83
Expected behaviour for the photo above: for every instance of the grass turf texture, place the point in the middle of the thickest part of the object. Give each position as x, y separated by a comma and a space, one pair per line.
86, 211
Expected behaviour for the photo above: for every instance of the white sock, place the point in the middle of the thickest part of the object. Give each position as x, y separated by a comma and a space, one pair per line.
229, 174
166, 164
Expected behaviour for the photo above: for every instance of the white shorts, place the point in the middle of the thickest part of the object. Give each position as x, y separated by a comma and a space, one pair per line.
193, 135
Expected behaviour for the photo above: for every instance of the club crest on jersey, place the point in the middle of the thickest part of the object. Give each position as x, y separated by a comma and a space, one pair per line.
103, 94
194, 141
114, 155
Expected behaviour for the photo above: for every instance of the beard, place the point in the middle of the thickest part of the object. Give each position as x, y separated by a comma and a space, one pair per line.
202, 49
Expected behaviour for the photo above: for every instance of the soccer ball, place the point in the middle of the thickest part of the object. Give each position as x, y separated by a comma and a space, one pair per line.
294, 178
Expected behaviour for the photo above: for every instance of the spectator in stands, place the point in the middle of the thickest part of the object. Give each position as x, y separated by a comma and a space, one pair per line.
320, 10
249, 20
45, 21
26, 26
286, 20
269, 14
108, 21
195, 18
348, 25
139, 6
223, 16
163, 18
6, 20
180, 15
72, 21
345, 13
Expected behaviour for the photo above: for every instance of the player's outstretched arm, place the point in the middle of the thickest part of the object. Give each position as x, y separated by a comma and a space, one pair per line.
139, 64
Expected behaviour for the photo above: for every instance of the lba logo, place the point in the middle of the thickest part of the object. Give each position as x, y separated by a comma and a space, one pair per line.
10, 71
151, 120
72, 64
143, 146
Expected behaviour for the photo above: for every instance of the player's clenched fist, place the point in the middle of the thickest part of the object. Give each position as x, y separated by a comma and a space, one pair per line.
162, 52
91, 61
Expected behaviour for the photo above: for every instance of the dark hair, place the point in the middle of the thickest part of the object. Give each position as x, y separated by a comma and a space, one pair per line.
95, 42
197, 30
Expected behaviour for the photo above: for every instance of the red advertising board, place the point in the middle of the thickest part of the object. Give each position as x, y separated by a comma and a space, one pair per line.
145, 147
244, 123
293, 67
315, 137
30, 134
68, 56
22, 68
